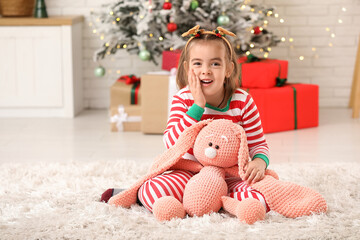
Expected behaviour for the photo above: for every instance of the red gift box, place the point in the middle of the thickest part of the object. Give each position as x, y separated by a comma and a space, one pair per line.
170, 59
292, 106
262, 73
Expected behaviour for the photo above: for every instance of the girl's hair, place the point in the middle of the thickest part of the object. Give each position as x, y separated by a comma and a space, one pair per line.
230, 83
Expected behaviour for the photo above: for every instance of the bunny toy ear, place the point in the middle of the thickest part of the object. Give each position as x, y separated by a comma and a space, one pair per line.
243, 157
171, 156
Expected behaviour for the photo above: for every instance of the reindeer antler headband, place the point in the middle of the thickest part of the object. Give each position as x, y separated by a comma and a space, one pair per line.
197, 32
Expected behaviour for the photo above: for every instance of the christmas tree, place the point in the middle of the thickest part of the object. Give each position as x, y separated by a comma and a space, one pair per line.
148, 27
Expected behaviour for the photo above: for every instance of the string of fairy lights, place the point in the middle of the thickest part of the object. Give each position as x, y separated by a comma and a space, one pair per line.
265, 24
290, 40
330, 32
101, 36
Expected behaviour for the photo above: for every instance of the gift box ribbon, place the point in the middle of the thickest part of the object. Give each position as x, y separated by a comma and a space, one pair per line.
135, 93
121, 117
252, 58
295, 108
132, 79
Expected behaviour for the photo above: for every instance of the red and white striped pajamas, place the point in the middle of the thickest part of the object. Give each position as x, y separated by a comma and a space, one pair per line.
173, 184
240, 109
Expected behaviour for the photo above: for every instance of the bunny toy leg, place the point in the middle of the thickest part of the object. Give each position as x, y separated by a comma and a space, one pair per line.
248, 210
167, 208
244, 202
203, 192
163, 194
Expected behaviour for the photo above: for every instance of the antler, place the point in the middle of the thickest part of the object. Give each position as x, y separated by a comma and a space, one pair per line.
222, 30
193, 30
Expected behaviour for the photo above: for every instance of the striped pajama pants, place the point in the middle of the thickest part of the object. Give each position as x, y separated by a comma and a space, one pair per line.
173, 184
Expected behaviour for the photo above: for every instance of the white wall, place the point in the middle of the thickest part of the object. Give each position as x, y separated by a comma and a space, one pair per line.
305, 21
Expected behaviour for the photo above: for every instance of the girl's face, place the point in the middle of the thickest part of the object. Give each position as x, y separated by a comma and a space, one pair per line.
207, 59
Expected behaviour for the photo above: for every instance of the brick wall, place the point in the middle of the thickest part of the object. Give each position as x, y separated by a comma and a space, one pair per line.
305, 22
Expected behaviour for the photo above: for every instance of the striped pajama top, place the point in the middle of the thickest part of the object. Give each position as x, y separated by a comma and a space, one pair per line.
240, 109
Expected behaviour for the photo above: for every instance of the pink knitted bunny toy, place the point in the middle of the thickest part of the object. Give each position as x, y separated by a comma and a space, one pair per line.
221, 148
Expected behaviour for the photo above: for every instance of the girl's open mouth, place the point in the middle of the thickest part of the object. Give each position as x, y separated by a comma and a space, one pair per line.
206, 81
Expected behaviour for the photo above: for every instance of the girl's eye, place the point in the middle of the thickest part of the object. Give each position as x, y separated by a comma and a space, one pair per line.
216, 64
197, 63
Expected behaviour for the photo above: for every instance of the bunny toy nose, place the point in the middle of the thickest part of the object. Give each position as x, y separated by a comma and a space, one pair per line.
210, 152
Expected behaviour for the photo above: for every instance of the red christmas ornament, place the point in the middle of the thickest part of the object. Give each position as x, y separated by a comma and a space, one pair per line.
171, 27
167, 5
257, 30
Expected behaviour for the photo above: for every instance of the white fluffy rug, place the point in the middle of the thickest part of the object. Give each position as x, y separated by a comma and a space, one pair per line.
61, 201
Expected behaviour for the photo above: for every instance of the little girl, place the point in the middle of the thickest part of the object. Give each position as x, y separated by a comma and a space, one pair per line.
207, 76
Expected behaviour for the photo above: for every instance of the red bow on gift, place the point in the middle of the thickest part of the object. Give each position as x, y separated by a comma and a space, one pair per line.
129, 79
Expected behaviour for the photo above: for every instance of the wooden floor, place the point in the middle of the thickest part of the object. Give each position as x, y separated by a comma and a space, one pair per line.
87, 138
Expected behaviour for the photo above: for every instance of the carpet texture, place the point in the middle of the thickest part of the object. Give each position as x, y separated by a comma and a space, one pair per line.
61, 201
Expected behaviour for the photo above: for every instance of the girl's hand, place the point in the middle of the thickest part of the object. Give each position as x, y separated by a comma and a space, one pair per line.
195, 89
255, 170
